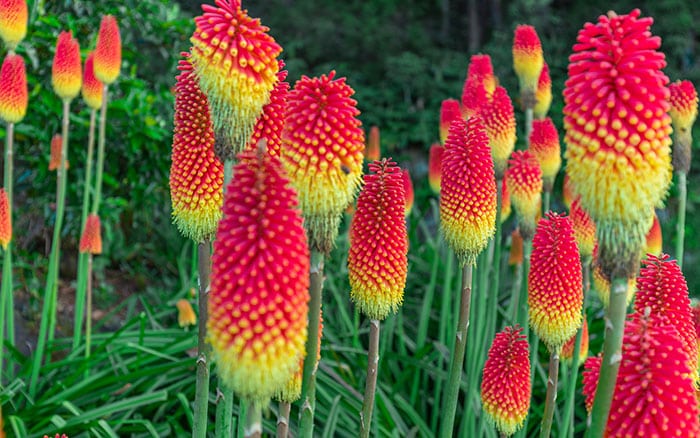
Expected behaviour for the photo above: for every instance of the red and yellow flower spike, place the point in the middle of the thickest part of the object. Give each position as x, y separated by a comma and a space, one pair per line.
108, 51
544, 145
322, 151
92, 87
55, 157
555, 282
468, 191
91, 240
408, 189
655, 392
67, 69
567, 350
435, 167
524, 180
584, 230
259, 296
270, 123
377, 261
543, 95
185, 313
568, 194
474, 96
5, 219
236, 63
13, 89
661, 288
449, 110
505, 201
528, 57
372, 149
516, 248
499, 120
481, 68
591, 372
655, 241
13, 22
617, 132
196, 174
505, 387
684, 111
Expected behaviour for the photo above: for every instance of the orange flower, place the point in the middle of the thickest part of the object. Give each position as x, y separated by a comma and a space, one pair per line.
505, 387
524, 180
591, 372
377, 261
468, 192
5, 220
543, 95
516, 248
108, 51
617, 132
258, 302
322, 150
449, 110
196, 174
567, 351
655, 393
236, 64
499, 120
555, 283
55, 158
373, 150
654, 243
13, 22
92, 87
408, 189
13, 89
684, 110
505, 201
66, 71
435, 167
528, 58
584, 230
185, 313
270, 123
91, 240
544, 145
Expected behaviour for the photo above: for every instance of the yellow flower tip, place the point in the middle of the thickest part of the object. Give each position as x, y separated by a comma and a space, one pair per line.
544, 145
654, 243
5, 220
499, 119
13, 22
185, 313
528, 57
108, 51
92, 87
66, 70
323, 144
14, 95
543, 95
91, 240
55, 157
468, 195
524, 180
378, 255
373, 149
196, 174
567, 350
236, 63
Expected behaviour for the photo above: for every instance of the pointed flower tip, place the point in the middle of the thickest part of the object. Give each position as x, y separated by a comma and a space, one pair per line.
567, 350
67, 70
108, 51
528, 58
323, 144
499, 120
5, 219
584, 230
185, 313
505, 387
544, 145
92, 87
543, 95
555, 282
684, 104
474, 96
618, 144
270, 122
13, 22
14, 95
55, 157
196, 174
468, 190
449, 110
480, 68
377, 261
259, 296
654, 243
91, 240
435, 167
524, 180
373, 149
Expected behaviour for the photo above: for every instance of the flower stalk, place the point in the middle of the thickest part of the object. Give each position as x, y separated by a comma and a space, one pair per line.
371, 383
283, 419
551, 399
6, 299
201, 398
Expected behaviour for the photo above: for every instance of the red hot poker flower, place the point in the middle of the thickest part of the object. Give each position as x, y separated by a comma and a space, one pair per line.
66, 71
655, 241
435, 167
377, 261
108, 51
591, 372
13, 89
480, 67
92, 87
528, 58
505, 201
505, 387
270, 123
259, 296
544, 145
5, 220
449, 110
474, 96
373, 150
543, 95
524, 180
584, 230
91, 240
684, 110
55, 158
499, 120
13, 22
408, 189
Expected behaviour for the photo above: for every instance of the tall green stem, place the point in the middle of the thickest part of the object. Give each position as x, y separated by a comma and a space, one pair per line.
522, 309
201, 398
453, 381
283, 419
680, 228
371, 383
6, 289
612, 355
546, 195
224, 410
88, 307
308, 383
253, 421
529, 113
48, 318
101, 133
551, 399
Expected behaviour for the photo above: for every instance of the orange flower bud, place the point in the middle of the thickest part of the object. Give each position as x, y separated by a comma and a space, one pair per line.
505, 201
373, 149
408, 189
528, 58
449, 110
13, 89
13, 22
66, 71
91, 240
524, 180
92, 87
543, 95
655, 241
516, 248
55, 158
435, 167
499, 120
5, 220
185, 313
567, 351
544, 145
270, 123
584, 230
108, 51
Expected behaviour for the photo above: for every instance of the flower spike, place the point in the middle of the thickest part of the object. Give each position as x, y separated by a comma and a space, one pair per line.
591, 372
92, 87
91, 240
13, 89
66, 71
108, 51
13, 22
55, 157
435, 167
5, 220
654, 244
543, 95
499, 120
584, 230
528, 58
544, 145
524, 179
684, 111
408, 189
270, 123
373, 150
449, 110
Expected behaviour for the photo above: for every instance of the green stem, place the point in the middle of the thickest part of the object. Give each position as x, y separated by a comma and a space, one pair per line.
308, 383
88, 308
550, 402
529, 113
283, 419
253, 421
444, 321
546, 195
201, 397
680, 228
100, 151
48, 319
612, 355
224, 410
522, 309
371, 383
9, 157
6, 290
453, 382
